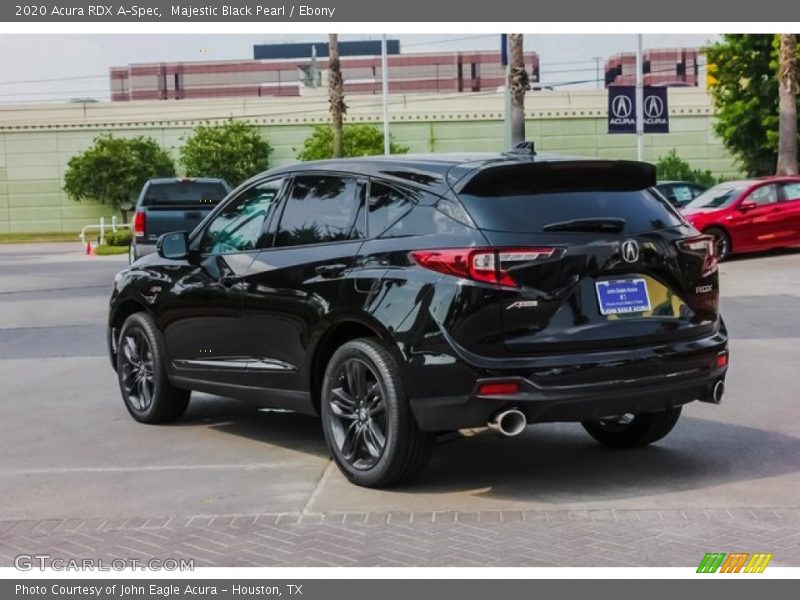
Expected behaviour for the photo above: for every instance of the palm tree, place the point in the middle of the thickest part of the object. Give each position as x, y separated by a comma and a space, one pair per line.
787, 124
517, 84
336, 93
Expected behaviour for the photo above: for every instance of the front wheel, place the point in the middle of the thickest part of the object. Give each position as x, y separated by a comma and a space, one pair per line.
147, 392
629, 431
367, 421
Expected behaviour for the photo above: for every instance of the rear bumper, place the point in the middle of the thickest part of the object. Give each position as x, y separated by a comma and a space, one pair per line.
651, 380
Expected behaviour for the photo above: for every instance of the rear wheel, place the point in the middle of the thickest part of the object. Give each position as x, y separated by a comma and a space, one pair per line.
722, 242
629, 431
148, 394
368, 424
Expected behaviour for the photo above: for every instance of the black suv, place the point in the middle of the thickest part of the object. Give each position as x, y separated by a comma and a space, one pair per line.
402, 297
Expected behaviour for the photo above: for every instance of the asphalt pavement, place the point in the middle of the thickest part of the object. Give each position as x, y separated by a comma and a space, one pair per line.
229, 485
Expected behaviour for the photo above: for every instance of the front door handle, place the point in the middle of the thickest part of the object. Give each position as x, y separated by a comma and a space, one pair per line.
229, 280
330, 271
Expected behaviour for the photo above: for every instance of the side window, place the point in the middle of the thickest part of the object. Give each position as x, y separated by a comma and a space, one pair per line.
386, 205
238, 226
319, 209
766, 194
791, 191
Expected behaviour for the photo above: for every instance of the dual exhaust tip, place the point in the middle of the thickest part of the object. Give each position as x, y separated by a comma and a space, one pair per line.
509, 422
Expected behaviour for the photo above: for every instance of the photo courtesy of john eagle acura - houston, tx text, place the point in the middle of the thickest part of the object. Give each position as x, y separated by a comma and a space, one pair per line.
400, 298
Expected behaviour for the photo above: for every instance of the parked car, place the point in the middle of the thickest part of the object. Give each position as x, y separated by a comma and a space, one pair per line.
749, 216
680, 193
401, 297
172, 204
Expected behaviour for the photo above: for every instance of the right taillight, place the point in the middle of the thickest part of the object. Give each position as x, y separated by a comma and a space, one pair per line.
139, 223
702, 246
489, 265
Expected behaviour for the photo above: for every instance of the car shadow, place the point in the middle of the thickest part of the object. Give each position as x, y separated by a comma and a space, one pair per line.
548, 462
561, 463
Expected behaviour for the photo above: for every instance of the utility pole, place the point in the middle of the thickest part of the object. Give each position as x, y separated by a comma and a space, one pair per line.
639, 101
597, 78
387, 149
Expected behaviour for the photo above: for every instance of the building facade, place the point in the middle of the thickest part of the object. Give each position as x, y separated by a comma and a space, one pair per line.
671, 67
290, 75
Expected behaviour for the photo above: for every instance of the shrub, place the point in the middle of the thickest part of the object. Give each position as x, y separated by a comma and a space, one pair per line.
358, 140
672, 167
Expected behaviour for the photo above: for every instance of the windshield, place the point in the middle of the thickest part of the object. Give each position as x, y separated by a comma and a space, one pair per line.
719, 196
184, 192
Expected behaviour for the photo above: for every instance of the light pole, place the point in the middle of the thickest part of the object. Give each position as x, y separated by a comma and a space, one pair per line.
385, 90
639, 101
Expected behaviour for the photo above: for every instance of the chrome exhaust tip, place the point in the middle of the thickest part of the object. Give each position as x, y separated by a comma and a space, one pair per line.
717, 391
509, 422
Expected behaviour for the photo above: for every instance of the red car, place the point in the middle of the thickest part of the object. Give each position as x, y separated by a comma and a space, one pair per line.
748, 216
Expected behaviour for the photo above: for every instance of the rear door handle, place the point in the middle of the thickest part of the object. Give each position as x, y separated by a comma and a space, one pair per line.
330, 271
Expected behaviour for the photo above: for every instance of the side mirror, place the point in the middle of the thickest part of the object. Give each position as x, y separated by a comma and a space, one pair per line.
747, 205
174, 245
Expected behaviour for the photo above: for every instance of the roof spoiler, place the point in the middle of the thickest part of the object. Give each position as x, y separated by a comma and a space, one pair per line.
522, 179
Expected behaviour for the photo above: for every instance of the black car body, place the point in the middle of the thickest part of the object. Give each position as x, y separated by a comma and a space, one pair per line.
172, 204
475, 289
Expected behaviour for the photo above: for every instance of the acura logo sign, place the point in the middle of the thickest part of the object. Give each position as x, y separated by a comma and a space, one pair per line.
630, 251
653, 107
622, 107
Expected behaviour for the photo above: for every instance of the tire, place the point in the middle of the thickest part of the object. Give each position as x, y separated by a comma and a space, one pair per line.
722, 242
631, 431
147, 393
364, 405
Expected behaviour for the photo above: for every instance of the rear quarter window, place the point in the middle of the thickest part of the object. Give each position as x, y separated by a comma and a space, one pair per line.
641, 210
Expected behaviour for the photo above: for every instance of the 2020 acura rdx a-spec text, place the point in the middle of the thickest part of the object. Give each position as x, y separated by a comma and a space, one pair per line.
401, 297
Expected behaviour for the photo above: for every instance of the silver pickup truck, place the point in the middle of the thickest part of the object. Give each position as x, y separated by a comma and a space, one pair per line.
172, 204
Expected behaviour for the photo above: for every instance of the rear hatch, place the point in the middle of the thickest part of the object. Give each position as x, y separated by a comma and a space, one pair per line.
592, 260
176, 205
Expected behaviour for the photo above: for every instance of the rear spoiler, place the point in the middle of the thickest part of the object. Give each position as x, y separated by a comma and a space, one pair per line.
527, 178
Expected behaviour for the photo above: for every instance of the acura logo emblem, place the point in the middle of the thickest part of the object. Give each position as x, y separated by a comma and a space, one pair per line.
653, 107
630, 251
622, 107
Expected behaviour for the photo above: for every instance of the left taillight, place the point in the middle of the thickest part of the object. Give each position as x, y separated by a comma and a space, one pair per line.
139, 223
488, 265
702, 246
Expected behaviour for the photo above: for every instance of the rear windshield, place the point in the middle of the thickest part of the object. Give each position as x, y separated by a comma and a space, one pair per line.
640, 209
184, 192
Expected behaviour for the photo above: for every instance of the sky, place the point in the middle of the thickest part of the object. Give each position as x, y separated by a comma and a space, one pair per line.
60, 67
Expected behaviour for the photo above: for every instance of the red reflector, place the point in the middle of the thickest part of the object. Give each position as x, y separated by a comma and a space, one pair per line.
722, 360
499, 388
138, 224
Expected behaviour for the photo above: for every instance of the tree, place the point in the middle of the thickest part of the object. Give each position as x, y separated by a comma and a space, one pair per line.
336, 92
357, 140
113, 170
787, 105
744, 94
517, 85
672, 167
234, 152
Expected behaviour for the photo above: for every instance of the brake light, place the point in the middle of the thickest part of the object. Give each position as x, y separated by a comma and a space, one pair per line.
139, 223
489, 265
721, 360
703, 246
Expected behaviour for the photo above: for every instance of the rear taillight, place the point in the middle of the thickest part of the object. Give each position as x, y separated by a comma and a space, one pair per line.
489, 265
138, 224
702, 246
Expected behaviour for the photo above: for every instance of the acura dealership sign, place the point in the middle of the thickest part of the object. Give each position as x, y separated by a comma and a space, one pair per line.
622, 109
